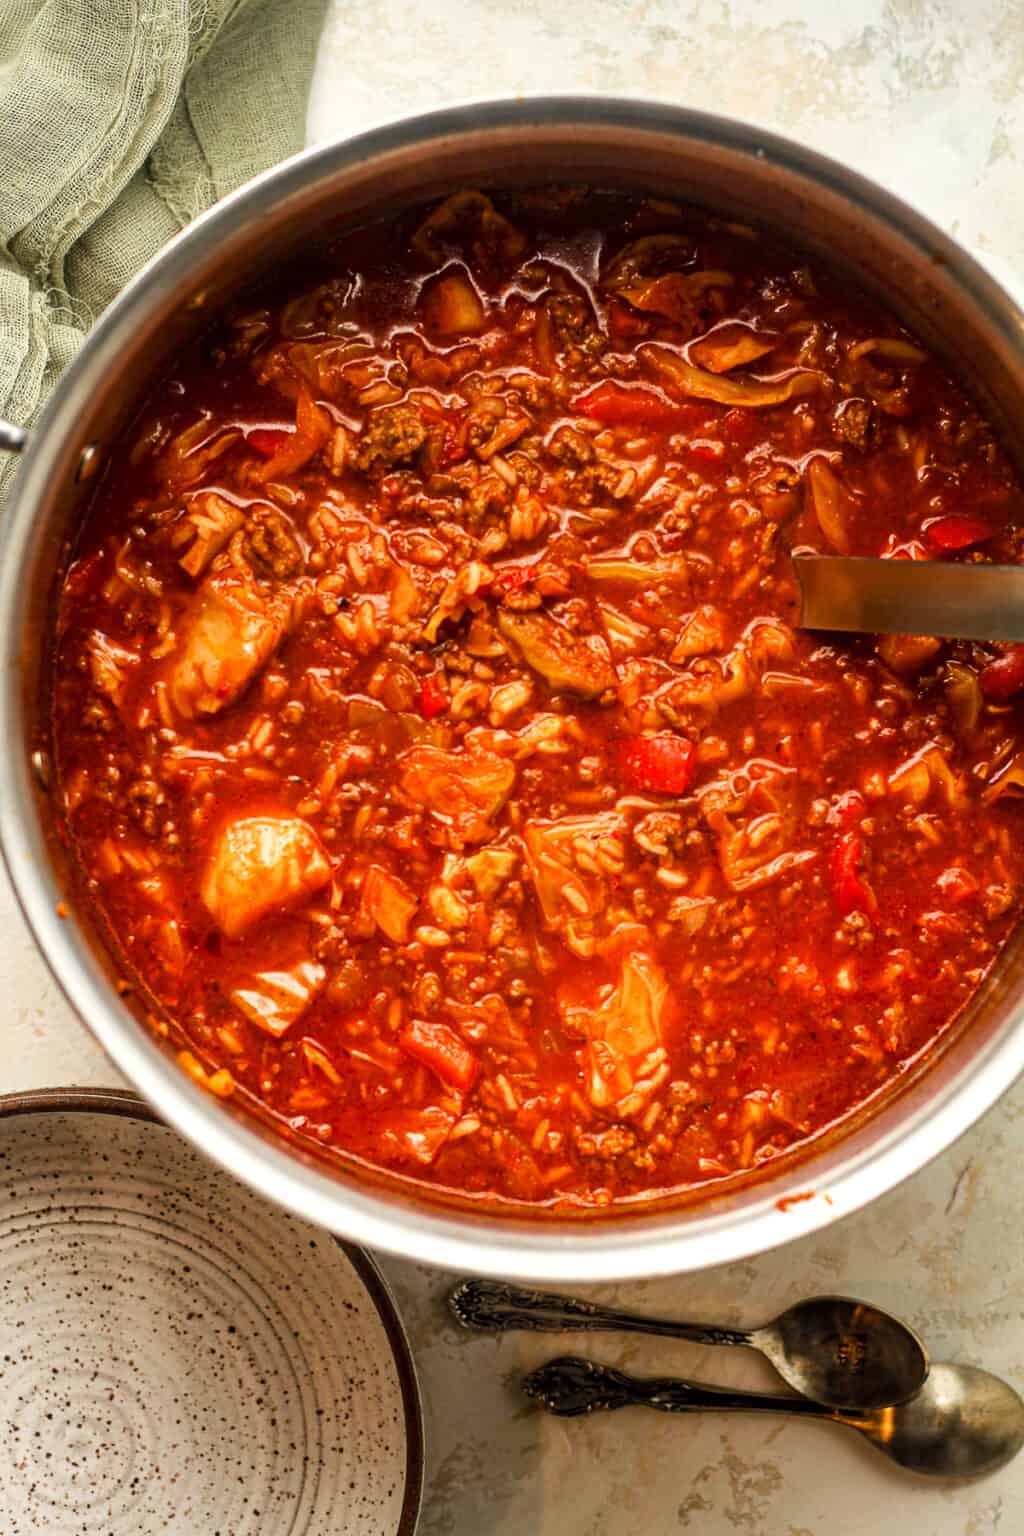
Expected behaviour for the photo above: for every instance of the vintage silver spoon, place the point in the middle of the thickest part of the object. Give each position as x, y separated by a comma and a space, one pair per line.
963, 1422
841, 1352
911, 597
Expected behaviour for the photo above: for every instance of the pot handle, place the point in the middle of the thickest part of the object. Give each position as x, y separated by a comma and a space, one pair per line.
12, 438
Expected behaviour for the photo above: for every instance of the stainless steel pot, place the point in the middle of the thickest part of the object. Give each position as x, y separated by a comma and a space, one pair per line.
941, 293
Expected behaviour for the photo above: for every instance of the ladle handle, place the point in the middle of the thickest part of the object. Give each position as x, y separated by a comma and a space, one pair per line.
12, 439
490, 1306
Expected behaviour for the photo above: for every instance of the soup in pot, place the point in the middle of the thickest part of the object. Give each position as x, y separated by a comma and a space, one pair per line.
434, 738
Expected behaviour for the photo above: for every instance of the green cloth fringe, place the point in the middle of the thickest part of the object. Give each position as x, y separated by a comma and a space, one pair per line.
120, 120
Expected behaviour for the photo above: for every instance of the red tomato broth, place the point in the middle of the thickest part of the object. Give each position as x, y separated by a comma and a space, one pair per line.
744, 875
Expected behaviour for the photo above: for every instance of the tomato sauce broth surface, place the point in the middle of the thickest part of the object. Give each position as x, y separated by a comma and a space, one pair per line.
432, 731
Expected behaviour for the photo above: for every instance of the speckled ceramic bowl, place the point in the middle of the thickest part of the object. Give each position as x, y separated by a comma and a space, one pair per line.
178, 1357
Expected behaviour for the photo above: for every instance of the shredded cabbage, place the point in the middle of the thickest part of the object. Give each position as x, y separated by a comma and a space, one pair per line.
702, 385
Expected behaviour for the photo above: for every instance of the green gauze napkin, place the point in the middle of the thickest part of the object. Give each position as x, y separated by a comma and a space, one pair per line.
120, 120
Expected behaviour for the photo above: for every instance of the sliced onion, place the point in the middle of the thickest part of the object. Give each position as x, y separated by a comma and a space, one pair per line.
907, 654
700, 384
963, 695
647, 257
831, 503
468, 222
1010, 781
388, 902
451, 305
275, 999
625, 636
731, 346
321, 311
914, 780
892, 347
674, 294
623, 570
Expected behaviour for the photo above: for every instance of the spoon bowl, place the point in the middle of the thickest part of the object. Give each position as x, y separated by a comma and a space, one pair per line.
964, 1422
844, 1353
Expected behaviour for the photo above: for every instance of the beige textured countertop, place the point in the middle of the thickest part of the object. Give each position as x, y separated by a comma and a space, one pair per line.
927, 96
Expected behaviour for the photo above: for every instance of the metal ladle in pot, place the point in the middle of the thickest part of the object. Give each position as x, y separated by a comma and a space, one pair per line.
910, 597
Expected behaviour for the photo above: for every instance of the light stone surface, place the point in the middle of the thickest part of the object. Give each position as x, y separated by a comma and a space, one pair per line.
927, 96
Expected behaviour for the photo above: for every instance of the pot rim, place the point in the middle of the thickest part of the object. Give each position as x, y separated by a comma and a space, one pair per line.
799, 1200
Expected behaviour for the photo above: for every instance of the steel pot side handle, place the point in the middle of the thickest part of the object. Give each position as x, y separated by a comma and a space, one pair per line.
12, 439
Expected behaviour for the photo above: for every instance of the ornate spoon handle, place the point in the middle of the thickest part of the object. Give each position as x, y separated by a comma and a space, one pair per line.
490, 1306
570, 1386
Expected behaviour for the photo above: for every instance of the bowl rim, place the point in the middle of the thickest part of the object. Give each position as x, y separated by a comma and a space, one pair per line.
611, 1249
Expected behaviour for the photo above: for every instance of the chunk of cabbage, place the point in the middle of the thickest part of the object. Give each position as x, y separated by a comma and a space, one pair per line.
625, 1029
230, 630
568, 663
261, 864
928, 770
754, 814
388, 902
274, 1000
569, 862
110, 665
464, 790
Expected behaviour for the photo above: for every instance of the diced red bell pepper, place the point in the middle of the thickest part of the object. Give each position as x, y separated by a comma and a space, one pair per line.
513, 578
493, 344
707, 449
947, 534
849, 810
957, 884
1004, 677
267, 440
440, 1049
84, 576
432, 698
312, 429
410, 1135
665, 763
453, 446
632, 405
741, 425
624, 324
850, 891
